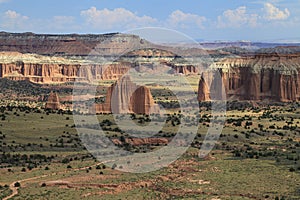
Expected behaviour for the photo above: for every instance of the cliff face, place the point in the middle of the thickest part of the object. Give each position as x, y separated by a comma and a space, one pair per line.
141, 101
48, 69
203, 90
267, 74
258, 77
47, 73
44, 69
126, 97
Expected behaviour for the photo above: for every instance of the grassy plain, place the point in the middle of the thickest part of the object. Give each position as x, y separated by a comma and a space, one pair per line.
256, 157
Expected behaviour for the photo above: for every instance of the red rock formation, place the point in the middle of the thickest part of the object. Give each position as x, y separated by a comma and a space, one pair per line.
42, 69
141, 101
203, 90
259, 77
185, 69
142, 141
53, 102
181, 68
126, 97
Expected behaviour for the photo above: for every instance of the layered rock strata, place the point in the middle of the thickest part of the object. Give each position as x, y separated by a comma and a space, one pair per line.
257, 77
69, 44
126, 97
44, 69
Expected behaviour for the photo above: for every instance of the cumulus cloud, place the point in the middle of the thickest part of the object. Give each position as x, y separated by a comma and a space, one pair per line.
237, 18
118, 18
185, 20
13, 20
274, 13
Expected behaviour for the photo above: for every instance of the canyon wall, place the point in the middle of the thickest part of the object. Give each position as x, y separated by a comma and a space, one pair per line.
257, 77
53, 73
46, 69
50, 69
265, 74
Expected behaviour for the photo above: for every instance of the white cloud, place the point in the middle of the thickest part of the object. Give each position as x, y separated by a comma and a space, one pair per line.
180, 19
274, 13
237, 18
10, 14
13, 20
113, 19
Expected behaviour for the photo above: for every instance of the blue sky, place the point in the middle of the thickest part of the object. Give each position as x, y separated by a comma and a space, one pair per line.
273, 20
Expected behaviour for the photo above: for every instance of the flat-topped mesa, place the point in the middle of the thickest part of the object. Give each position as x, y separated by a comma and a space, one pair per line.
53, 102
48, 69
69, 44
126, 97
259, 77
45, 69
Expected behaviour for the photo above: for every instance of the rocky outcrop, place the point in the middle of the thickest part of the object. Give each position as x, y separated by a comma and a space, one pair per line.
203, 90
181, 68
53, 102
142, 101
44, 69
258, 77
142, 141
53, 73
185, 69
126, 97
271, 73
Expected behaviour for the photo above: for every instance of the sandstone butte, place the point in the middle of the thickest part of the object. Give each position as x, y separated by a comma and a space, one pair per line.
53, 102
126, 97
256, 77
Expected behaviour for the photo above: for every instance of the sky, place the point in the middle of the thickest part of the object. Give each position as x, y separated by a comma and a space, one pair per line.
215, 20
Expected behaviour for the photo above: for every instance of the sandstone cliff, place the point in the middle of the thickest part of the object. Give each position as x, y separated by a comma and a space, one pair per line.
258, 77
271, 73
203, 90
44, 69
52, 69
126, 97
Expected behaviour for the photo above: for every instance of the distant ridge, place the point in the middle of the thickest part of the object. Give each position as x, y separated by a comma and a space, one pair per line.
65, 44
247, 45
